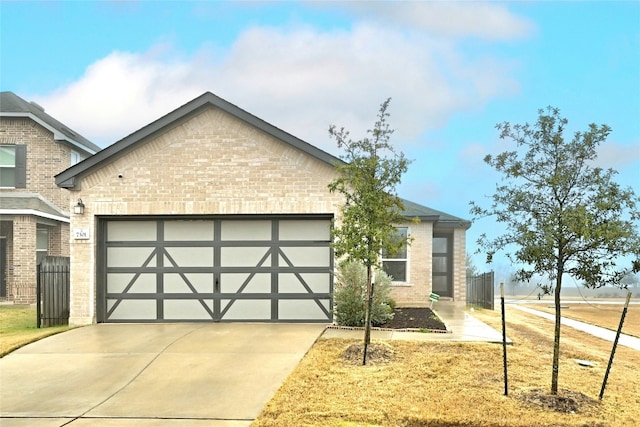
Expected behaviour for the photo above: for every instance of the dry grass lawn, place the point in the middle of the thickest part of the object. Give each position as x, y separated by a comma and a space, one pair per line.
18, 327
458, 384
607, 316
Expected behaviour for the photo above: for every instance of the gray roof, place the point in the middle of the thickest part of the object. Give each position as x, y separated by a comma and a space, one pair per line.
21, 202
415, 210
11, 105
66, 179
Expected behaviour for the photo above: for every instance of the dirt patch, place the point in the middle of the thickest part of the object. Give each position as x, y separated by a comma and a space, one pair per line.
415, 318
377, 353
566, 401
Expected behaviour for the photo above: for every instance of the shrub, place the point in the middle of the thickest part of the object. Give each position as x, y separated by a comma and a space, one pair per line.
351, 296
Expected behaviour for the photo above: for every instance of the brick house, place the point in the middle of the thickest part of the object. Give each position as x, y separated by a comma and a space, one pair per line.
210, 213
34, 217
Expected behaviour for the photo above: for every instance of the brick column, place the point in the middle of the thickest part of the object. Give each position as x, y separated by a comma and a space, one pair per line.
59, 240
24, 260
459, 266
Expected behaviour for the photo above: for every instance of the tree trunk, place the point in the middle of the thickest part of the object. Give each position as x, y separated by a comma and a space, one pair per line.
367, 317
556, 335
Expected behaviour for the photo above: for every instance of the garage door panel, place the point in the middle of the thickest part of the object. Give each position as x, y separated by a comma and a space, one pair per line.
127, 231
132, 309
188, 230
130, 257
314, 230
295, 283
259, 283
233, 230
188, 309
292, 309
246, 309
216, 269
304, 256
128, 282
188, 283
245, 257
188, 257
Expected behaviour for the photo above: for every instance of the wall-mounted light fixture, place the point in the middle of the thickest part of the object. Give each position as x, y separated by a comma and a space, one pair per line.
79, 208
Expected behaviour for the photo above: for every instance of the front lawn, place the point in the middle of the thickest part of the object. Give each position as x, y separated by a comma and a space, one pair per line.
461, 384
18, 327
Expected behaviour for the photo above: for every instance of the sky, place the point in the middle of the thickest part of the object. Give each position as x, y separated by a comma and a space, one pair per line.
453, 70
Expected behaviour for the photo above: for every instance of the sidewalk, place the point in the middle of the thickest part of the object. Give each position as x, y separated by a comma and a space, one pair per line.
596, 331
461, 327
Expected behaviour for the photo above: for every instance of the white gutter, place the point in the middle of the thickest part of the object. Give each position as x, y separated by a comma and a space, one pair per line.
35, 213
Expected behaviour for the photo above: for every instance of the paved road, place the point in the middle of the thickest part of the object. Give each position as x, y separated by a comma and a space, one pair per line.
605, 334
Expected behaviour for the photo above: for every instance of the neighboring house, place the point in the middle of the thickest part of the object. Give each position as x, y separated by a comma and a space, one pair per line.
210, 213
34, 213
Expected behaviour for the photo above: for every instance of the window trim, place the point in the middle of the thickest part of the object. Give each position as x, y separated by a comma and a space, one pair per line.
10, 167
406, 260
19, 166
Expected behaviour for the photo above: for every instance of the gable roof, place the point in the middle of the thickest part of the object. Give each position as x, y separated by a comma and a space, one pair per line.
11, 105
67, 178
424, 213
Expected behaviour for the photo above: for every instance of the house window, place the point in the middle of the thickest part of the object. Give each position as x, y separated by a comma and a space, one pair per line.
13, 166
42, 243
442, 265
396, 265
76, 157
8, 166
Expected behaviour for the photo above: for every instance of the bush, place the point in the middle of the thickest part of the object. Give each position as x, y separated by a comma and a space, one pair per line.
351, 296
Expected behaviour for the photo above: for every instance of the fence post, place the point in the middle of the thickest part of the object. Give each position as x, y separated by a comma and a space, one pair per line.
504, 341
38, 297
615, 344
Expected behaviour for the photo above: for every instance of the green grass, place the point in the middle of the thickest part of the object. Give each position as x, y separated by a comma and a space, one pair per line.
18, 327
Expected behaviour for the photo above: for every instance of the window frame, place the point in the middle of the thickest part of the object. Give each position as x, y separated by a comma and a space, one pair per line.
448, 256
406, 258
19, 166
42, 252
75, 157
8, 167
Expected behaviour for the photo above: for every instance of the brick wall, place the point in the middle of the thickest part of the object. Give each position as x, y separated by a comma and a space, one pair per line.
23, 285
459, 266
212, 164
6, 231
45, 159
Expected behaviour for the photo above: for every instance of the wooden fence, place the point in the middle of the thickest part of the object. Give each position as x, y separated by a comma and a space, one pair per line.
480, 290
53, 291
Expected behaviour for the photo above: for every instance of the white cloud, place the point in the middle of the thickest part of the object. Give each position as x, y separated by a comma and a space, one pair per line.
490, 21
618, 156
300, 79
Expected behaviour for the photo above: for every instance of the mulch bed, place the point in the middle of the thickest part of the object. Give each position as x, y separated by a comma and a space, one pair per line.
415, 318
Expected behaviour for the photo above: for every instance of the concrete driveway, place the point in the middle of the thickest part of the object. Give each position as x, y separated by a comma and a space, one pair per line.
152, 375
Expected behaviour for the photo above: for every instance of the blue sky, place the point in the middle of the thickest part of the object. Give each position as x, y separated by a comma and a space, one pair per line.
452, 69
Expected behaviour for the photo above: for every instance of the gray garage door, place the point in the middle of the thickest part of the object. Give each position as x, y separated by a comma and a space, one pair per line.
215, 269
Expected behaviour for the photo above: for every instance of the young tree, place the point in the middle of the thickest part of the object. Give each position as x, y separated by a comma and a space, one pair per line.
563, 215
472, 270
368, 180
